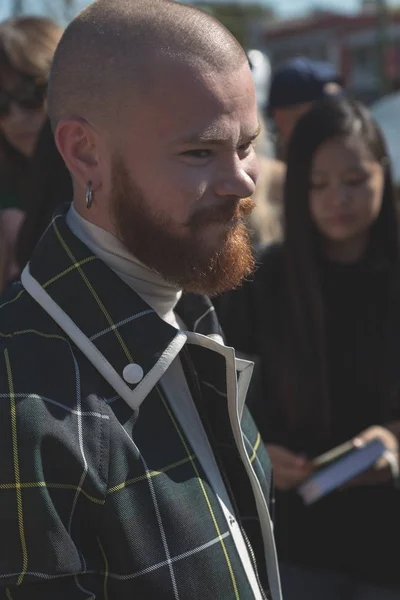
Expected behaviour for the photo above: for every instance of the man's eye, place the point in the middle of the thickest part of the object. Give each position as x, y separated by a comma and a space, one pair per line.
245, 147
200, 153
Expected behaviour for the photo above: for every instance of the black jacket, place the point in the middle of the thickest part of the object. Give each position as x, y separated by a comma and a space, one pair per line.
354, 531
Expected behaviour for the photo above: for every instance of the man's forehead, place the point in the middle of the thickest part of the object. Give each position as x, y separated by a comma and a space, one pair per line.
213, 97
184, 102
185, 84
220, 130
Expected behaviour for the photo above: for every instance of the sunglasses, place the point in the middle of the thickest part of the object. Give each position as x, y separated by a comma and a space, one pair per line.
28, 95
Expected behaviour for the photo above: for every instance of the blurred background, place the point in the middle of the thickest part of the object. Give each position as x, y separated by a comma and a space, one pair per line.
360, 38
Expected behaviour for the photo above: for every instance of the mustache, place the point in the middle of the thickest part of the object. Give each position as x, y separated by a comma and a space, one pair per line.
223, 213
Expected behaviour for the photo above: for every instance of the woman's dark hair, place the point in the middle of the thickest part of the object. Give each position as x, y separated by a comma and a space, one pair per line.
27, 46
50, 185
305, 377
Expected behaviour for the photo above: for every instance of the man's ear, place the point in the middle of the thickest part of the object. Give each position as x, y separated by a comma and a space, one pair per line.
78, 145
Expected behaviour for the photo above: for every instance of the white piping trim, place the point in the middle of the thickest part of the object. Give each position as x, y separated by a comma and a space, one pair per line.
262, 507
232, 385
391, 458
133, 398
217, 338
154, 375
245, 368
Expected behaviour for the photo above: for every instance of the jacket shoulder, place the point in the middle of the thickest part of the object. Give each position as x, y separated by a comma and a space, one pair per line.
35, 351
52, 432
18, 311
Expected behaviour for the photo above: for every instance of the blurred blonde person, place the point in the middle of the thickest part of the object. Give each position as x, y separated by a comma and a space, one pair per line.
266, 220
27, 46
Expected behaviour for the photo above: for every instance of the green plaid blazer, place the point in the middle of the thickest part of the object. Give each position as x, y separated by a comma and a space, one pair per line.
101, 494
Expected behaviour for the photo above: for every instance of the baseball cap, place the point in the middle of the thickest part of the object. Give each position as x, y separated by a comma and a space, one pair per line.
303, 80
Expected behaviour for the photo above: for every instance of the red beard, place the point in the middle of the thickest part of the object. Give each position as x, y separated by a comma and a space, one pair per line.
183, 261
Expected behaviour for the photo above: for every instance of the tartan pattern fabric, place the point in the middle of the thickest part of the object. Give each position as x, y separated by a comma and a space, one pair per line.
98, 500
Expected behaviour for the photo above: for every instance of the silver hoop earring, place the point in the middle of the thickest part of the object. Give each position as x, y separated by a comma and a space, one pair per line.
89, 195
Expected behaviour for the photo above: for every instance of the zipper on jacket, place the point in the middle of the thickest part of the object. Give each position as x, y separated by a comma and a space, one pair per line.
194, 384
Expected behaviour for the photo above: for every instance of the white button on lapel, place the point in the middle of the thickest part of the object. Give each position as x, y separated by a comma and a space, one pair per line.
133, 373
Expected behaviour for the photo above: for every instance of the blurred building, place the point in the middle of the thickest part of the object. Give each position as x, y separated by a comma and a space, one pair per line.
353, 44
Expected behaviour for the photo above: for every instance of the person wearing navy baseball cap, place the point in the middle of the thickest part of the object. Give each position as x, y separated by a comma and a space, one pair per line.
295, 86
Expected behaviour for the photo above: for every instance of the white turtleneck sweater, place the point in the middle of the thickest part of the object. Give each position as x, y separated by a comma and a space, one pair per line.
162, 297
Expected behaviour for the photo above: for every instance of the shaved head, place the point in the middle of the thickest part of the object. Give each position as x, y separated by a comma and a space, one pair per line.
112, 48
154, 110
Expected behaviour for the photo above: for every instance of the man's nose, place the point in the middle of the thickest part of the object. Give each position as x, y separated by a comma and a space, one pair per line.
236, 179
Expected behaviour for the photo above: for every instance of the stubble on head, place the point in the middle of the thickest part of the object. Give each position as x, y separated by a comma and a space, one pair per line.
105, 61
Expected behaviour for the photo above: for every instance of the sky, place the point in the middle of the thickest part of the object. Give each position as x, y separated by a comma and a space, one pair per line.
285, 8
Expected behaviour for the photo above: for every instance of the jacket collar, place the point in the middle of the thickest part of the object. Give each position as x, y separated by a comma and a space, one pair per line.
116, 321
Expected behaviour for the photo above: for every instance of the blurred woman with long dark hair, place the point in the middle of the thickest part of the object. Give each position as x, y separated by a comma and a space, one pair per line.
322, 320
27, 45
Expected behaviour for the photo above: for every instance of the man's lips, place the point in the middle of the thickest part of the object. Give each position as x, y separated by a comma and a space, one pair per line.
224, 214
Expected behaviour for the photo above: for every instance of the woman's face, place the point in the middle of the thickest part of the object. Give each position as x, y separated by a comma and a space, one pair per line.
22, 112
346, 189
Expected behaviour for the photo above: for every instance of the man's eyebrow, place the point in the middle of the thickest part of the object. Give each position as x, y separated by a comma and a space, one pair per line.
256, 133
214, 137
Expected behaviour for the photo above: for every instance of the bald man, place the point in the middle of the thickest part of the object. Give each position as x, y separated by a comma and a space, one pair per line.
130, 467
